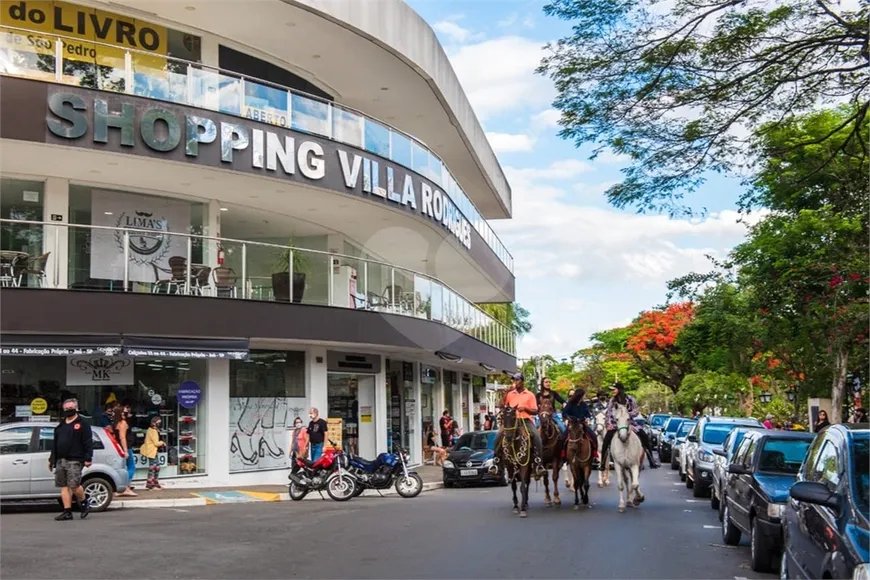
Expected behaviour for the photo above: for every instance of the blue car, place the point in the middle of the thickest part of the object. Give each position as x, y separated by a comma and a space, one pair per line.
756, 491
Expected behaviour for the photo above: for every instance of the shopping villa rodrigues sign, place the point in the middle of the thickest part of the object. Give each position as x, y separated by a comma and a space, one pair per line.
139, 126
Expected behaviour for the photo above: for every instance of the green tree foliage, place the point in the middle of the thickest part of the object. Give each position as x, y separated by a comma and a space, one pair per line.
713, 390
653, 397
511, 314
677, 90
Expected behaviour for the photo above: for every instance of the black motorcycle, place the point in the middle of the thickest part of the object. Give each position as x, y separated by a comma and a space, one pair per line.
386, 470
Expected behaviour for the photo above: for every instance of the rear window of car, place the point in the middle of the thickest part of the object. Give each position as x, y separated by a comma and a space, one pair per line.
658, 420
783, 455
685, 427
715, 433
476, 441
673, 425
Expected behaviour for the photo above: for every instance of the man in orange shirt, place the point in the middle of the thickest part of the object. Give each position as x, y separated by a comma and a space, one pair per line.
526, 404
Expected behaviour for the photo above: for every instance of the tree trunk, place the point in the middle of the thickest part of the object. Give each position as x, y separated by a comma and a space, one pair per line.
838, 389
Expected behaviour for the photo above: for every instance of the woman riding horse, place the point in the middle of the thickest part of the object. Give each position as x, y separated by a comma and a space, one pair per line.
578, 410
619, 396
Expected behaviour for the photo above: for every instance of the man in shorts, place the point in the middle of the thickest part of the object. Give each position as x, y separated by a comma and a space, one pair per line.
72, 450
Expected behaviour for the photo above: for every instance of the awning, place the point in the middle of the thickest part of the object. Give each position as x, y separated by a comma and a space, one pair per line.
59, 345
192, 348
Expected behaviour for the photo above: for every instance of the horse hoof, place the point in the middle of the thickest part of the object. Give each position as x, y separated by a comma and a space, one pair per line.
600, 484
576, 507
523, 514
621, 509
549, 504
558, 501
639, 500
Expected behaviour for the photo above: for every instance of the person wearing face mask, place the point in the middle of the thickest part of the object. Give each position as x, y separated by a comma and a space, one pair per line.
299, 444
71, 451
316, 433
124, 434
149, 449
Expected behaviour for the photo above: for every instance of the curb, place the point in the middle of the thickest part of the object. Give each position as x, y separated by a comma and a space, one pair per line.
202, 501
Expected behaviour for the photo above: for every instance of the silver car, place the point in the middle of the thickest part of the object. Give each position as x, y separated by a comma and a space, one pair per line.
708, 435
680, 439
24, 474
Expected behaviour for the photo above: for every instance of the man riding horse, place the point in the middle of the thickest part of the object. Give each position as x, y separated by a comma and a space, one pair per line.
526, 406
620, 397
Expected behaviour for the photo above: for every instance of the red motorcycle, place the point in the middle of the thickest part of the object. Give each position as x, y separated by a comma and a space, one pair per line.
328, 472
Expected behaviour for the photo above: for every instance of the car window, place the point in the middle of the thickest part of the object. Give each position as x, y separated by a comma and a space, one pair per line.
810, 460
749, 452
738, 437
860, 451
783, 455
46, 437
715, 433
826, 468
685, 428
673, 425
659, 420
15, 440
98, 443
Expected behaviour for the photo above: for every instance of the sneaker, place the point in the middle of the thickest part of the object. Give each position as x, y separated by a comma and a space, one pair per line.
187, 434
66, 515
187, 449
85, 508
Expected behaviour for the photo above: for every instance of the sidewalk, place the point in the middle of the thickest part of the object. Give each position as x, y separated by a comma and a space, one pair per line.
192, 497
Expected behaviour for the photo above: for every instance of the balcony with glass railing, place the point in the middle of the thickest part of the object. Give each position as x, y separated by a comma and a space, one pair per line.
198, 85
101, 258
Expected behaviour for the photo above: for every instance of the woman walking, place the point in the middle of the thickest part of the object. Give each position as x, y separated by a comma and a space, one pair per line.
126, 439
299, 445
150, 450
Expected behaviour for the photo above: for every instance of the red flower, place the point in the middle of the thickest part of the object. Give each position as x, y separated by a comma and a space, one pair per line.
854, 276
836, 281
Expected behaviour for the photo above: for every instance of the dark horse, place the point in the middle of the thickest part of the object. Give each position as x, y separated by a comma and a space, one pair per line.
552, 448
516, 454
579, 457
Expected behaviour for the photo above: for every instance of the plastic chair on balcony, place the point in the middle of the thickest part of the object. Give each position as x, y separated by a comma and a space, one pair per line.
177, 272
31, 266
225, 280
200, 279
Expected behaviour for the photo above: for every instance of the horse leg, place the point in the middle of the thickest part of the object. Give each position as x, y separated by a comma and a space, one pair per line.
548, 501
557, 466
514, 490
635, 485
620, 483
587, 473
524, 490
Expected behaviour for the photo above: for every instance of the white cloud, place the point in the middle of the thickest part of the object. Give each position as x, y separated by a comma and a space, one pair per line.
594, 189
548, 119
452, 32
510, 143
508, 21
564, 169
609, 157
498, 75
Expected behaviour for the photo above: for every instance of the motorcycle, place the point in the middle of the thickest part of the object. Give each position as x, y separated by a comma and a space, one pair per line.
328, 472
386, 470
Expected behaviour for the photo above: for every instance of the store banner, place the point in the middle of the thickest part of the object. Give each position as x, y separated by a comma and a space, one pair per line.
150, 250
99, 370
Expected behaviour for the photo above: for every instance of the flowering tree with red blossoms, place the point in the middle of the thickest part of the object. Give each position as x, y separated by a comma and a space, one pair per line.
652, 343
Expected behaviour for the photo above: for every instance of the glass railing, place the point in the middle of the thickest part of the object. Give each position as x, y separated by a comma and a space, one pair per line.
110, 259
198, 85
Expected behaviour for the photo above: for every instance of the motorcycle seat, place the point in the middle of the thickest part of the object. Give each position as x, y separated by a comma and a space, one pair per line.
305, 462
365, 462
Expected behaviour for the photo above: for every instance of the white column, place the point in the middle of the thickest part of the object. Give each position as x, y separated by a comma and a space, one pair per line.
315, 378
210, 50
381, 410
438, 399
469, 397
216, 403
417, 439
55, 239
211, 227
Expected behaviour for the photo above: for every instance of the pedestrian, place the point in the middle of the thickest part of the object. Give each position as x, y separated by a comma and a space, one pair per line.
439, 454
150, 449
107, 419
123, 433
299, 444
860, 415
444, 424
317, 428
487, 422
768, 421
71, 450
822, 421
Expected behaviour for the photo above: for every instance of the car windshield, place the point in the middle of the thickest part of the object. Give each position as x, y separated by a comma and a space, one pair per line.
685, 427
861, 470
783, 455
658, 420
673, 425
476, 441
715, 433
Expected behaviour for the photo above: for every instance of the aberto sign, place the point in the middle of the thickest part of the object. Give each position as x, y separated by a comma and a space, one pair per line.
169, 131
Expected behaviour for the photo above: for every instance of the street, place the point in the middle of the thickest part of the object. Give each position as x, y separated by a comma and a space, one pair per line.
456, 533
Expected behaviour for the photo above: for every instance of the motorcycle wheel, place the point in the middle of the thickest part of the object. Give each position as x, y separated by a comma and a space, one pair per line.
409, 487
297, 492
341, 488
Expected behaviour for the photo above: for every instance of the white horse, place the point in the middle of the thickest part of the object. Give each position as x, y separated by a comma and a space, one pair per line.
627, 453
600, 432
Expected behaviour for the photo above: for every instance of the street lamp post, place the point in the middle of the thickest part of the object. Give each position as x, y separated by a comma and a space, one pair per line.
765, 397
793, 397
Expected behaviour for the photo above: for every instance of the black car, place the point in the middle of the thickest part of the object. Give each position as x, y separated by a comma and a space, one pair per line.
469, 461
669, 435
657, 423
754, 495
825, 523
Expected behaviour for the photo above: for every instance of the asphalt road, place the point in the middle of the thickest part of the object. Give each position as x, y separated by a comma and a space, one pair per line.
457, 533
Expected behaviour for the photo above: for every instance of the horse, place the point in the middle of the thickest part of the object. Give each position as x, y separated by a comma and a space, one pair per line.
627, 453
551, 439
600, 432
516, 454
579, 456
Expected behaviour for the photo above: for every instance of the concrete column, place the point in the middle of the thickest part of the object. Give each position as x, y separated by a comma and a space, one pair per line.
417, 416
381, 409
315, 378
469, 398
211, 227
216, 404
210, 51
55, 238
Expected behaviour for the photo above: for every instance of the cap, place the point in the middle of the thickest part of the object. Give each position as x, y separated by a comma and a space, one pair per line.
518, 377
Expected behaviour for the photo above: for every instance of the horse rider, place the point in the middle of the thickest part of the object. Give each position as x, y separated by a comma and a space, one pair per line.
620, 397
577, 409
600, 404
547, 398
526, 406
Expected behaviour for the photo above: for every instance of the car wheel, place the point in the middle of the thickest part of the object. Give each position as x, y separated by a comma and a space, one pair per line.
689, 483
714, 500
674, 464
730, 534
448, 484
99, 492
721, 508
698, 490
759, 550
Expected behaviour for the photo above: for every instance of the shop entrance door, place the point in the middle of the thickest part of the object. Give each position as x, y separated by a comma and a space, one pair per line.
351, 398
400, 397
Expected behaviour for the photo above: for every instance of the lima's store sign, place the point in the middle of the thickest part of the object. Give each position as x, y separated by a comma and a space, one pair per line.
168, 131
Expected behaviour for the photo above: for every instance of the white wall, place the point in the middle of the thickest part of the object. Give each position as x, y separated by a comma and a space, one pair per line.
56, 239
367, 431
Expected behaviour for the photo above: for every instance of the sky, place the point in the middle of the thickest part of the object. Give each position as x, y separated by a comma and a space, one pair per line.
581, 265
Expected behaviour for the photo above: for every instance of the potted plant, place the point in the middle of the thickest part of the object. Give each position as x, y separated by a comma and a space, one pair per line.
281, 276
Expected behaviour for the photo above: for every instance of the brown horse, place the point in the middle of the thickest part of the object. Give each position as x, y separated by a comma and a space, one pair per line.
579, 452
516, 455
552, 450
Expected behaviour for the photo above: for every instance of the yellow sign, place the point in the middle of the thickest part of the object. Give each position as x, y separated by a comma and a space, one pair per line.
38, 406
85, 24
365, 418
333, 431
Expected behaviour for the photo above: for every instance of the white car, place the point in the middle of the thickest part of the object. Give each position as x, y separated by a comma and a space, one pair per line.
24, 474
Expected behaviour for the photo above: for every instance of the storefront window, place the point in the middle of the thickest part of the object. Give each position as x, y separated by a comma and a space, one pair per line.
400, 397
20, 200
96, 257
33, 389
428, 382
267, 392
351, 400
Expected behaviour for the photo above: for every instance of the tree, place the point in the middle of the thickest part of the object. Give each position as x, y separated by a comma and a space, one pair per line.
677, 90
511, 314
708, 389
652, 344
653, 397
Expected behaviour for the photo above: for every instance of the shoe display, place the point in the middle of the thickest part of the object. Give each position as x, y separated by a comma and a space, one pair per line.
187, 449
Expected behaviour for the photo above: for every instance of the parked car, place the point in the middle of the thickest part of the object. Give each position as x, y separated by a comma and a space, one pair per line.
764, 468
24, 474
825, 524
679, 439
707, 436
657, 423
470, 459
723, 455
686, 449
669, 435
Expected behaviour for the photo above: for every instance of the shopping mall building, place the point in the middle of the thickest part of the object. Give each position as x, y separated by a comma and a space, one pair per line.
227, 213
